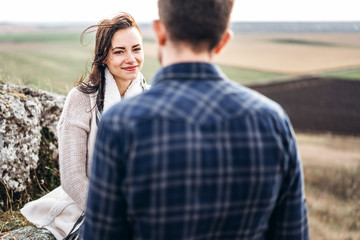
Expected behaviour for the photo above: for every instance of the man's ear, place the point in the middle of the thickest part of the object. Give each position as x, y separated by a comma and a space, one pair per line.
160, 32
224, 41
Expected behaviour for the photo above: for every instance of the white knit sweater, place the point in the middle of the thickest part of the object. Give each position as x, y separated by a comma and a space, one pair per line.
58, 210
76, 135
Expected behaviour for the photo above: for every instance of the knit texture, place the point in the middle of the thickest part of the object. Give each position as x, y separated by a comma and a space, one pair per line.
73, 129
76, 134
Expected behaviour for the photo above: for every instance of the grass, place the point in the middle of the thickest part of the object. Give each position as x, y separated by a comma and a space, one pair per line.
50, 62
332, 185
150, 67
52, 71
244, 75
40, 37
353, 74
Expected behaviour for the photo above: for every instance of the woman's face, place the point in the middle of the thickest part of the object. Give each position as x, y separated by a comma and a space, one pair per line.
125, 58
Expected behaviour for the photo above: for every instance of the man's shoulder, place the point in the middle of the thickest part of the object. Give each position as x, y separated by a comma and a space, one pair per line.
240, 100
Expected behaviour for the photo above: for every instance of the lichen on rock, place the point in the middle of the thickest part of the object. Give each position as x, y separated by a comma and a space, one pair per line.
29, 232
28, 120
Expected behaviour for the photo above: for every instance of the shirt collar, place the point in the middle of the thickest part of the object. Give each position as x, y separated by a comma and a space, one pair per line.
189, 71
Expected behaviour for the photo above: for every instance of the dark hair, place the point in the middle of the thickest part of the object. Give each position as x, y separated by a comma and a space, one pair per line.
200, 23
104, 34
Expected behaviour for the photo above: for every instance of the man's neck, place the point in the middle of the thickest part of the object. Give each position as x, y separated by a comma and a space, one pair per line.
177, 54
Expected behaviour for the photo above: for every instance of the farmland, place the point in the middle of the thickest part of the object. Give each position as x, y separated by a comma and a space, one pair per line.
54, 59
294, 53
318, 104
54, 63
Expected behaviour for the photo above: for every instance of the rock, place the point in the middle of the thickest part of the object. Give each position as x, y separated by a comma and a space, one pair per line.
29, 233
28, 120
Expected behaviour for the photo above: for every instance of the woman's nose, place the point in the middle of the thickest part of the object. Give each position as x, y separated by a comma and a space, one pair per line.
130, 58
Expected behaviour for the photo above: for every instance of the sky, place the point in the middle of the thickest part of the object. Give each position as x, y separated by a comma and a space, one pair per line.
50, 11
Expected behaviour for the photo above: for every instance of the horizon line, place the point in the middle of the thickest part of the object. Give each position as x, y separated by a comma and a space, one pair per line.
3, 22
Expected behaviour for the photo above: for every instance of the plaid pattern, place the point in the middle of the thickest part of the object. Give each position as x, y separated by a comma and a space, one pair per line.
196, 157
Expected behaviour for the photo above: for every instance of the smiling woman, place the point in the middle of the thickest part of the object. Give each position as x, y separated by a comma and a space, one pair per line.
126, 57
115, 74
118, 49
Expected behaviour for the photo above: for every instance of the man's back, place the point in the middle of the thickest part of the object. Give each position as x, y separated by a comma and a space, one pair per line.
198, 157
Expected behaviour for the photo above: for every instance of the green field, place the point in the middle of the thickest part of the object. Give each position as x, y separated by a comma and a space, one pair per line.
353, 74
54, 61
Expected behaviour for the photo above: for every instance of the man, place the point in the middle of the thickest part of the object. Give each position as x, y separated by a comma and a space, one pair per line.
196, 156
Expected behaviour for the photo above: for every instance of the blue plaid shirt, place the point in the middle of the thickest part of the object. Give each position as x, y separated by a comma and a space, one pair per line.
196, 157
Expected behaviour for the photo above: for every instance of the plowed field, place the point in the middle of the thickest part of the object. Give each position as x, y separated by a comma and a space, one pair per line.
318, 105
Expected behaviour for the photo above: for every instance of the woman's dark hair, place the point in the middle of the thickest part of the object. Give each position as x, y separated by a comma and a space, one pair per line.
200, 23
106, 29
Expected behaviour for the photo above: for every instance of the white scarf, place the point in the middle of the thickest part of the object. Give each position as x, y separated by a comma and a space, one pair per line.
112, 94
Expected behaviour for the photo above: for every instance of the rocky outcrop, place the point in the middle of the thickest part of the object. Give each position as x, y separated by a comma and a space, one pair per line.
28, 120
29, 232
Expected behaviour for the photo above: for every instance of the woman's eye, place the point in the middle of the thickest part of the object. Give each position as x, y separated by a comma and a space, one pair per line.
119, 52
137, 49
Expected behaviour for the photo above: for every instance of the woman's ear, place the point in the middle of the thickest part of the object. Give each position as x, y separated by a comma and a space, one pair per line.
224, 41
160, 32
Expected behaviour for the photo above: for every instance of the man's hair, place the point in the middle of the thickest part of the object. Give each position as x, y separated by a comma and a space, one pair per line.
200, 23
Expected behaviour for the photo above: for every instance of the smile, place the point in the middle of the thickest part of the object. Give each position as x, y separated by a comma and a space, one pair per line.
131, 69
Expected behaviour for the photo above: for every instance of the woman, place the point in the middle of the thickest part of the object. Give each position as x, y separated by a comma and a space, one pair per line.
115, 74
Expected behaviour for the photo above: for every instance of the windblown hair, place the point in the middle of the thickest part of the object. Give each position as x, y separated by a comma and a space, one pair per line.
105, 31
200, 23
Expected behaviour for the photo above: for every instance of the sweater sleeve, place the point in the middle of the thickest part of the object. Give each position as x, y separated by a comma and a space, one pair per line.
73, 133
